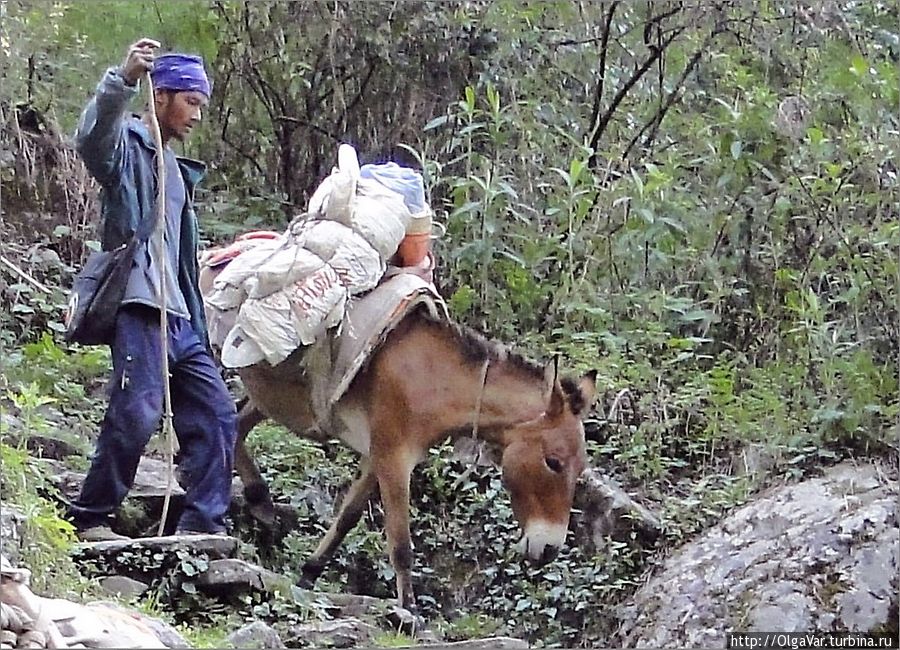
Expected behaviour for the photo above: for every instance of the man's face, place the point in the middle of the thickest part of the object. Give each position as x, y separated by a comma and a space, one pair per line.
179, 112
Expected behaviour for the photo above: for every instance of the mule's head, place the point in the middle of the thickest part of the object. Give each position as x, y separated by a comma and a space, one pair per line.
543, 459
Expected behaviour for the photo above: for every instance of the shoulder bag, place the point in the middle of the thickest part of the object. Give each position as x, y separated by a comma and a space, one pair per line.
99, 288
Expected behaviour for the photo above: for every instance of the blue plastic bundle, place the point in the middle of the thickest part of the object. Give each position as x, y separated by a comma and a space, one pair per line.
402, 180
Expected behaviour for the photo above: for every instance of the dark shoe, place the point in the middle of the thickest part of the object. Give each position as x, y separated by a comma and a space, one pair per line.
99, 534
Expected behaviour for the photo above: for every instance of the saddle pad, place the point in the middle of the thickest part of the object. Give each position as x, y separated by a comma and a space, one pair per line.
331, 364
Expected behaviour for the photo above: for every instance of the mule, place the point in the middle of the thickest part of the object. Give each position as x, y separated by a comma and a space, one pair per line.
429, 381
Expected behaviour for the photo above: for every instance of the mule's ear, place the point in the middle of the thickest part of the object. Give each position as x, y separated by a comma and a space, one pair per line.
587, 388
552, 390
551, 374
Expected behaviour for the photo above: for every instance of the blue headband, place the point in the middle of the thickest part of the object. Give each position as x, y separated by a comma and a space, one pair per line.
180, 72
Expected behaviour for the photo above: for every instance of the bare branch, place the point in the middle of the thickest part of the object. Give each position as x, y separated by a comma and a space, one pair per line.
604, 120
654, 123
604, 46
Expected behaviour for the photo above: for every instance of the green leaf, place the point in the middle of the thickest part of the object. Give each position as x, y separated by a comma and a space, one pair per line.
493, 99
575, 168
440, 120
815, 135
638, 182
470, 99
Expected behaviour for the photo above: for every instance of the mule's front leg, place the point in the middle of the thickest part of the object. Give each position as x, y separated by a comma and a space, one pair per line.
393, 481
351, 510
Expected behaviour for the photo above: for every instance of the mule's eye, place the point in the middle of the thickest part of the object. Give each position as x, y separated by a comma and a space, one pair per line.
554, 464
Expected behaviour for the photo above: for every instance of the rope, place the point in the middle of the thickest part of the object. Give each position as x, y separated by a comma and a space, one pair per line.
168, 426
478, 400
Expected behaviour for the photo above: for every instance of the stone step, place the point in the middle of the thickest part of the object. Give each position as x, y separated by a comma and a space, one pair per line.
231, 575
214, 546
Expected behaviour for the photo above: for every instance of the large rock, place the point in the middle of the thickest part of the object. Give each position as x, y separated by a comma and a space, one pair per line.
150, 482
340, 633
63, 623
123, 586
605, 510
140, 512
350, 605
817, 556
255, 636
236, 576
168, 635
490, 643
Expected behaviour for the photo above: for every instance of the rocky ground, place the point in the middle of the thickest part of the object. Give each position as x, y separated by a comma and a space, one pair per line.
818, 555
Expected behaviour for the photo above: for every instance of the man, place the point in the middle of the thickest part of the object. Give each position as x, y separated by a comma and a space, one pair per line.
120, 153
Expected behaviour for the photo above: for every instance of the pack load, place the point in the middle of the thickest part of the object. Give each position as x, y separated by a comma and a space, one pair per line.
282, 291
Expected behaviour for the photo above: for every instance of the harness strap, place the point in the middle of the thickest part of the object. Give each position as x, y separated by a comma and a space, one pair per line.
480, 398
478, 401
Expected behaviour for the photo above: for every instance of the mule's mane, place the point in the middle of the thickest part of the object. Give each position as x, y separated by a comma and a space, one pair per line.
476, 348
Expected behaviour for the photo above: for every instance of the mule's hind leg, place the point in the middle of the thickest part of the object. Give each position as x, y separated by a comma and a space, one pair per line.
348, 516
256, 492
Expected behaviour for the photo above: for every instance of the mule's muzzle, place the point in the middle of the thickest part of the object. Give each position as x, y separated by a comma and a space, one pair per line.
537, 553
541, 541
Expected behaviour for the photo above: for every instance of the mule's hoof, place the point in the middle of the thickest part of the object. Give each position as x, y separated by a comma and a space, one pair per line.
305, 582
309, 573
259, 502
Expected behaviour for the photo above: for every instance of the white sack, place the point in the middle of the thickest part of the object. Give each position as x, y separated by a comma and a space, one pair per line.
219, 322
312, 300
268, 322
285, 267
246, 264
380, 216
239, 350
226, 297
321, 236
358, 265
334, 196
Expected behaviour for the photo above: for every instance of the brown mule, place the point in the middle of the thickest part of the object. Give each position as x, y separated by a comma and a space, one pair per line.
424, 384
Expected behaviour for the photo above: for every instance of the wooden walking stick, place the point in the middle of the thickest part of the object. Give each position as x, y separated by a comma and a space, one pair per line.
159, 241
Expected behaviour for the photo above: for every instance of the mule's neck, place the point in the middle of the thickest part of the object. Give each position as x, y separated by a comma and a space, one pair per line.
510, 395
445, 381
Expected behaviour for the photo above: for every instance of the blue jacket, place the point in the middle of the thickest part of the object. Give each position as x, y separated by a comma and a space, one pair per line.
120, 153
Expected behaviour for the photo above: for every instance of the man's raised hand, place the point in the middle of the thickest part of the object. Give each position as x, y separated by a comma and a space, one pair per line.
139, 60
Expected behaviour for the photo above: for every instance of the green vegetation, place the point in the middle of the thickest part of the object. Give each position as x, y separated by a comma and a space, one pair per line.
697, 199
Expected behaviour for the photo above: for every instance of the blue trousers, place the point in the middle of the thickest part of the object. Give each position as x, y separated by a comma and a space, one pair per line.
203, 414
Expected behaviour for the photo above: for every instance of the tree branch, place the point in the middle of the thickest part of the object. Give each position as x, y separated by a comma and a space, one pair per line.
236, 147
604, 120
654, 123
604, 46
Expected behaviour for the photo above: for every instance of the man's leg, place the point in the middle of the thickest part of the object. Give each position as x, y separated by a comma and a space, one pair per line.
205, 421
132, 416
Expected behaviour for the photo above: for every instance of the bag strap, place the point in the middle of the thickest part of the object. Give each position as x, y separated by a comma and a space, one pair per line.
147, 226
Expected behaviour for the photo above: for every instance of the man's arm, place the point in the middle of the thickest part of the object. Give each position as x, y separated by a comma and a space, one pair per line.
99, 138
